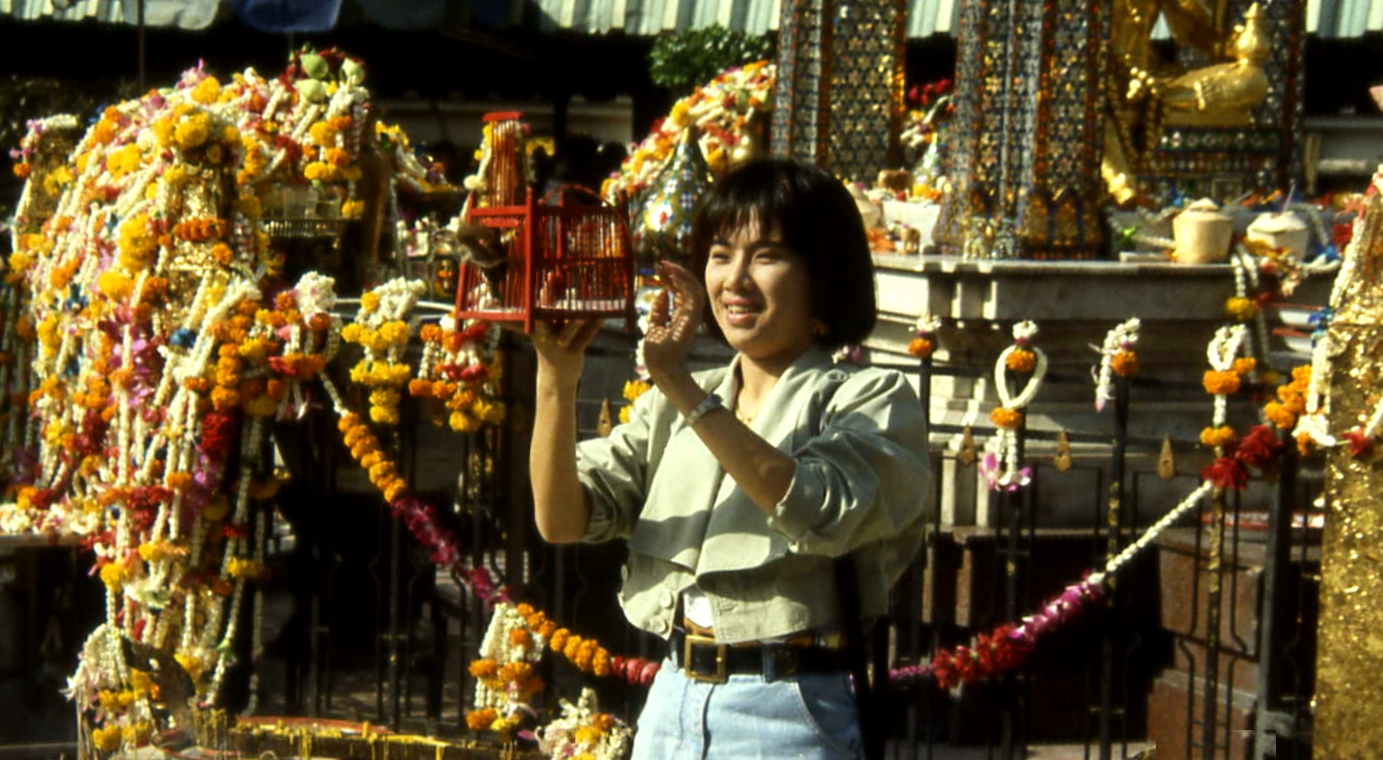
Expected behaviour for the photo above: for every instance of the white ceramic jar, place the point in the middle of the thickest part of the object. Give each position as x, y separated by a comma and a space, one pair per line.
1202, 233
1282, 230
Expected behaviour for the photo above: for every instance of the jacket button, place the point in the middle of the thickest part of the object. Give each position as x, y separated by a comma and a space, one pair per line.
667, 599
661, 626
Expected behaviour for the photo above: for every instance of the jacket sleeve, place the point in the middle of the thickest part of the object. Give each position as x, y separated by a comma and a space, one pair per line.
863, 476
614, 472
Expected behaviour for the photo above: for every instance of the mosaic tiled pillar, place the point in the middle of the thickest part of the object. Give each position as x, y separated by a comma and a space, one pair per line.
1025, 156
839, 92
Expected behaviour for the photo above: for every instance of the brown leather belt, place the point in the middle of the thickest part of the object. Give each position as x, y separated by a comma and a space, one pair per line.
703, 659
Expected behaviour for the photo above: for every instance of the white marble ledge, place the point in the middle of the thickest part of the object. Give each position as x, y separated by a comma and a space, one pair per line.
937, 264
1064, 291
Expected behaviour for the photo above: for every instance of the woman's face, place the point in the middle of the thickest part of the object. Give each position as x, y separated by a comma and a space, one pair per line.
760, 296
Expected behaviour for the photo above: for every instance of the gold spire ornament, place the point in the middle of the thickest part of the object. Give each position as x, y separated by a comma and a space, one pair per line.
1166, 461
1062, 461
967, 453
606, 422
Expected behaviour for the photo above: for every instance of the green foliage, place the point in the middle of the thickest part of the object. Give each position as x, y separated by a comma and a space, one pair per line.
694, 57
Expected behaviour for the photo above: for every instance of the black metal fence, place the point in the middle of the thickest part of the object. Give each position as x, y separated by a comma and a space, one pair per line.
1207, 645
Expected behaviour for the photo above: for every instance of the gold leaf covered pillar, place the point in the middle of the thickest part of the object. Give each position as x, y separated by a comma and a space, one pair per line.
1349, 665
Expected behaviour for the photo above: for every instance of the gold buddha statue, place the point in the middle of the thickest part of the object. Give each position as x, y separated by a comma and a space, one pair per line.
1147, 94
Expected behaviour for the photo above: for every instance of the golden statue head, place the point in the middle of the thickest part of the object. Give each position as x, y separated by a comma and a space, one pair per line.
1251, 43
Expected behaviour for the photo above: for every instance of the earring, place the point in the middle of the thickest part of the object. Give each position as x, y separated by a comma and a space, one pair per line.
818, 328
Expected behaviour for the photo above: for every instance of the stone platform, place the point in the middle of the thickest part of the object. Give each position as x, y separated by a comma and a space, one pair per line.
1074, 304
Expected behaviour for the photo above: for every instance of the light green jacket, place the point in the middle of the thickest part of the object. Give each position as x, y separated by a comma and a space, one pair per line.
860, 487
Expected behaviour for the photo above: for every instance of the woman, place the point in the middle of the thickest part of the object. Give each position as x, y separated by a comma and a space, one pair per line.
737, 488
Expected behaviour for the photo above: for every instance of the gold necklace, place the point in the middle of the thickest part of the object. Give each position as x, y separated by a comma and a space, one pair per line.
747, 419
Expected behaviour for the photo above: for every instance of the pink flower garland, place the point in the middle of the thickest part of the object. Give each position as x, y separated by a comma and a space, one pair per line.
1004, 648
421, 520
999, 651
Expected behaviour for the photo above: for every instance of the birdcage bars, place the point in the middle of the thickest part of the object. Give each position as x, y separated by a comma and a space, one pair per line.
568, 261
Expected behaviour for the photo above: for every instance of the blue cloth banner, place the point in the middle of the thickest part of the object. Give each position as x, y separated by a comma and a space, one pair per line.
417, 14
289, 15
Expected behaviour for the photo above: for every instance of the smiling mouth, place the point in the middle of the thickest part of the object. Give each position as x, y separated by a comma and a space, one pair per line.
740, 310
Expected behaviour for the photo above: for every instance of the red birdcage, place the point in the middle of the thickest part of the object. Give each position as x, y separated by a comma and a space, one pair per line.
572, 259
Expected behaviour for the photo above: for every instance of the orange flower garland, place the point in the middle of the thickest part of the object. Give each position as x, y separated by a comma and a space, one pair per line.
1219, 436
1291, 402
1005, 418
1000, 466
1125, 363
1221, 383
923, 343
1021, 360
1234, 455
1241, 309
365, 448
157, 358
516, 640
456, 372
199, 230
633, 389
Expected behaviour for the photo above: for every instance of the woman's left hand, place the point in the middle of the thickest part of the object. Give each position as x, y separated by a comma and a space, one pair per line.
672, 322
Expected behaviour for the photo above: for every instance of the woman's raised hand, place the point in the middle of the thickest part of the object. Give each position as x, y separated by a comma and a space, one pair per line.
562, 348
672, 322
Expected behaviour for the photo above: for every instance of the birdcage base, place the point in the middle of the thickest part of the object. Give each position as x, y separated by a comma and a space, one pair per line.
604, 309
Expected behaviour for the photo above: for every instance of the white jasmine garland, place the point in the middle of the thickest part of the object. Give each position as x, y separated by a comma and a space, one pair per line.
1221, 352
1003, 447
1122, 338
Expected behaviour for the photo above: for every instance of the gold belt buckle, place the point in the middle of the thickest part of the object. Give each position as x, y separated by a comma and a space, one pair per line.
721, 674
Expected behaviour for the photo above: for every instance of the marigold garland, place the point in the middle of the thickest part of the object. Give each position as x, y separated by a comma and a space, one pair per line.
158, 358
380, 329
1005, 418
633, 389
1241, 309
1221, 383
461, 371
518, 637
1219, 436
920, 347
366, 449
923, 343
1291, 399
1125, 363
1021, 360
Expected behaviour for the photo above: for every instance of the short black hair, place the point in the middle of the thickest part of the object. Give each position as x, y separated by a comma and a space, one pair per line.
818, 221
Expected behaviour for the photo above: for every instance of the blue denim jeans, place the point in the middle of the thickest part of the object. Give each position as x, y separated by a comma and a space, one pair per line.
808, 716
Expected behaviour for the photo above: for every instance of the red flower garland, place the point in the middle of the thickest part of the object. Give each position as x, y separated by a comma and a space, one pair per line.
1358, 442
1227, 473
1256, 449
1004, 648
